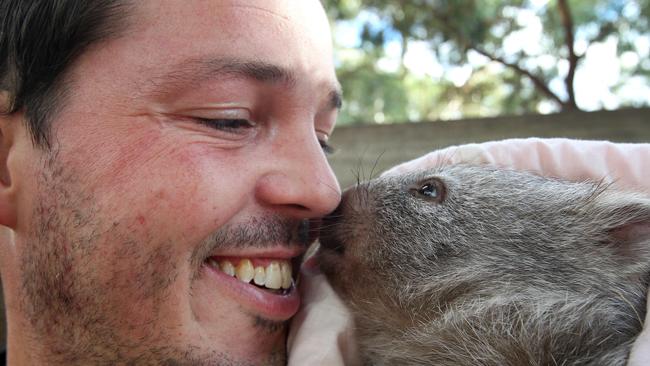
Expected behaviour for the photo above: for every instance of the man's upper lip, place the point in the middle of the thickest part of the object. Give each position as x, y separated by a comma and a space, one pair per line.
276, 252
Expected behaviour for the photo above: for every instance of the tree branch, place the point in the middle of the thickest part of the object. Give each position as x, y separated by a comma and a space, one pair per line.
567, 23
539, 83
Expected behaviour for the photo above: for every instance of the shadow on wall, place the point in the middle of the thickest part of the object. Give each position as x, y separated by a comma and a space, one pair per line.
374, 148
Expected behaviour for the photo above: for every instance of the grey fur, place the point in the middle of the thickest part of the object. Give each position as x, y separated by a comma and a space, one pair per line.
508, 268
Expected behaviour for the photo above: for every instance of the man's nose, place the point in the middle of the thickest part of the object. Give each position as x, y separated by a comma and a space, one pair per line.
300, 182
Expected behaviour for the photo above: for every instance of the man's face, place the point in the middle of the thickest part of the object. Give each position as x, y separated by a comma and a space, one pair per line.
189, 142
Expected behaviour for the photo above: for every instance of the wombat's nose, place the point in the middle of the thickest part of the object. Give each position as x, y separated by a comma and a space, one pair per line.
330, 236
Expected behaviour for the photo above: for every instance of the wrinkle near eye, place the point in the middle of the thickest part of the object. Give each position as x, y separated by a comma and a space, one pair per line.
221, 133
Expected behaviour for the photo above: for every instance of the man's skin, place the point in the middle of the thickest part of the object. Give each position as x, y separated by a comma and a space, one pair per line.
195, 135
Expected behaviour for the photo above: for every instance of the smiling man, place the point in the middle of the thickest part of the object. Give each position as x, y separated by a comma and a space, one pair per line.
161, 164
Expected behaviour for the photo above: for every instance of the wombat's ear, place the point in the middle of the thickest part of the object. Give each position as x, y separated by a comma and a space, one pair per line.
626, 218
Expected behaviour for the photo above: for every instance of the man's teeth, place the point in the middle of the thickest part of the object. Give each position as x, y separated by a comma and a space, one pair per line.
227, 268
260, 276
245, 271
276, 275
273, 276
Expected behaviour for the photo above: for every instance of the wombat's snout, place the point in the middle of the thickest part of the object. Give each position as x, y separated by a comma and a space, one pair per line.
328, 237
331, 237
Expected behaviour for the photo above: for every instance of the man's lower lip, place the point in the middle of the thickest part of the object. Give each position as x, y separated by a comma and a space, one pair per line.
268, 305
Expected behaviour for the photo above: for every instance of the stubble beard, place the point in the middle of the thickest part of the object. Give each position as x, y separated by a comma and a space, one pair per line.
68, 306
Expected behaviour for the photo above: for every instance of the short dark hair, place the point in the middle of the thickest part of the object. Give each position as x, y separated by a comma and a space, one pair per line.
39, 39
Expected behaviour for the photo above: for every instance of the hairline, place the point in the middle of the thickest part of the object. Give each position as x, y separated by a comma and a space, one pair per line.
56, 95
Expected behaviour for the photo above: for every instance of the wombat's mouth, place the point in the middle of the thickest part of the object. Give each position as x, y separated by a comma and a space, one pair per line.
327, 236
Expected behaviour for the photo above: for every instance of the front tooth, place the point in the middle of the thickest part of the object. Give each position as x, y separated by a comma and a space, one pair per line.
285, 269
227, 268
245, 271
273, 276
260, 276
213, 263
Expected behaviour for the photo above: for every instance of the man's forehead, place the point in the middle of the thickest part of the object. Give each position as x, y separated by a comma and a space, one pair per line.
307, 12
168, 51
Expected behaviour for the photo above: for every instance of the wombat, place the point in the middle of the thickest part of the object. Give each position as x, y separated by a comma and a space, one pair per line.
473, 265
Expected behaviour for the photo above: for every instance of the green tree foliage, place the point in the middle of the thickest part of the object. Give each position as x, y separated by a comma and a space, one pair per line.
506, 72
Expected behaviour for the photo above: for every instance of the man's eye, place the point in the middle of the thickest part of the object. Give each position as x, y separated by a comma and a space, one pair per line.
227, 125
327, 148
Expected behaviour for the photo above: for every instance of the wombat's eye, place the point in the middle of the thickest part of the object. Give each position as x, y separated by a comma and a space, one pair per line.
431, 189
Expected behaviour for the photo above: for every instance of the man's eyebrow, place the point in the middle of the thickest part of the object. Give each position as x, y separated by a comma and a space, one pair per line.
256, 70
194, 71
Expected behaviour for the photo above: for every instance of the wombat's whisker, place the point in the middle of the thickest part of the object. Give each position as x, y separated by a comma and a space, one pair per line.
599, 187
359, 172
334, 189
356, 174
374, 165
363, 190
329, 226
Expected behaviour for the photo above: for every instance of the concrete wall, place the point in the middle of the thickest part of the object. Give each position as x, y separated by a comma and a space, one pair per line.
359, 148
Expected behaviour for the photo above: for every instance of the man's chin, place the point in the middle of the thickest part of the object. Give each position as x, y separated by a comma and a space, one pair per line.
221, 321
194, 356
265, 350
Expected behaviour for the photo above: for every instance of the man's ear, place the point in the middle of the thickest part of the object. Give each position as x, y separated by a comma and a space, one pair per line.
10, 123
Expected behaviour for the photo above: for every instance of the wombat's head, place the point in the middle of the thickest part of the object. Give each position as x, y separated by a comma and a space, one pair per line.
405, 250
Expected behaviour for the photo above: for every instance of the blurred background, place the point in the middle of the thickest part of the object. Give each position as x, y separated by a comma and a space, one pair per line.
418, 75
